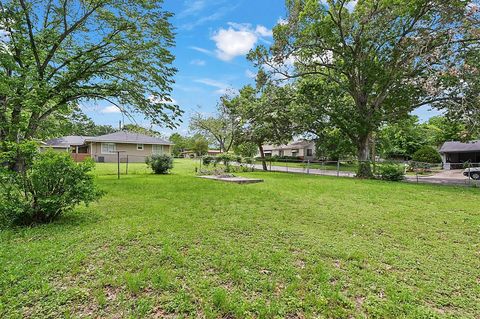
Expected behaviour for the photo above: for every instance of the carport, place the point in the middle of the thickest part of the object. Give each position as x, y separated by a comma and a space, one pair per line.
454, 153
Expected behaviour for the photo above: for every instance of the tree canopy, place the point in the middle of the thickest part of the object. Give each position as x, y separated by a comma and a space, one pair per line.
359, 67
263, 115
54, 54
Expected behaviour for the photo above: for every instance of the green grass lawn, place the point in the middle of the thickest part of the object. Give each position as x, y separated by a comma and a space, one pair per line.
295, 246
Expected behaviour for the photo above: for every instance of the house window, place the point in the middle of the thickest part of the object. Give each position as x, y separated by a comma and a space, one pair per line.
157, 149
139, 147
309, 152
108, 148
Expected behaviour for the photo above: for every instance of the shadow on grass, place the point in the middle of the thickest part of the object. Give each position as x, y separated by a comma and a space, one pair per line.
83, 216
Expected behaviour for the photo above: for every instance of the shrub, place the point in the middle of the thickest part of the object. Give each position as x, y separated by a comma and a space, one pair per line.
207, 160
427, 154
50, 186
391, 172
160, 164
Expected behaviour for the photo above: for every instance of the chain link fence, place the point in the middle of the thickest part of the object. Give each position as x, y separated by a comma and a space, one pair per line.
411, 171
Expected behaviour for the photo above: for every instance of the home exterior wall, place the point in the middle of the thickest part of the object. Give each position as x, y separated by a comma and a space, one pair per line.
301, 152
127, 150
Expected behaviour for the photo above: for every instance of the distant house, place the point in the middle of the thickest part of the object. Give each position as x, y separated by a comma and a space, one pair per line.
455, 153
302, 149
192, 154
134, 147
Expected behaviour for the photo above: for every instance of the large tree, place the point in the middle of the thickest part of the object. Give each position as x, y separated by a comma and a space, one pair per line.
401, 140
370, 63
56, 53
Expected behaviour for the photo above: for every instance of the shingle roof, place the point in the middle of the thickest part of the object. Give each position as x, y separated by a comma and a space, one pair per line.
454, 147
66, 141
129, 138
293, 145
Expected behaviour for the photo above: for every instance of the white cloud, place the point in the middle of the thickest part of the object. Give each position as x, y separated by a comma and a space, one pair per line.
110, 110
218, 12
351, 5
222, 88
165, 100
263, 31
192, 8
237, 40
208, 52
250, 74
282, 21
198, 62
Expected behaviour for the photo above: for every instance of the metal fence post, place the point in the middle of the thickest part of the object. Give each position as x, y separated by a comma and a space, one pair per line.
118, 165
469, 176
338, 168
286, 165
126, 168
308, 166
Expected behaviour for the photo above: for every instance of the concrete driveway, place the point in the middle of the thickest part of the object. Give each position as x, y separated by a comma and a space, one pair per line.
450, 177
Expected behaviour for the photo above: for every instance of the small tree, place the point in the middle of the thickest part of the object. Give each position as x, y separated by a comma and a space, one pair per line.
263, 114
427, 154
160, 164
200, 145
246, 149
222, 128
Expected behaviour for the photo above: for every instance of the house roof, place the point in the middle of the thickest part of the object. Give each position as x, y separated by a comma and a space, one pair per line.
66, 141
460, 147
209, 151
128, 138
293, 145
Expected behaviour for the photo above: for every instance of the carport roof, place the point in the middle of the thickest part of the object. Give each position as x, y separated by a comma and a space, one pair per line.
460, 147
67, 141
129, 138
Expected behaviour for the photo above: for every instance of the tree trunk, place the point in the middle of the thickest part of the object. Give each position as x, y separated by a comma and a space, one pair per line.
262, 156
363, 155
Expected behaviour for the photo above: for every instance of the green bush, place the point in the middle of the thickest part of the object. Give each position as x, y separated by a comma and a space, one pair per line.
427, 154
43, 191
207, 160
160, 164
390, 172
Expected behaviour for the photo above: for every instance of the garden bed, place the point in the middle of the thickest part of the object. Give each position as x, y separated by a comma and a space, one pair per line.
233, 179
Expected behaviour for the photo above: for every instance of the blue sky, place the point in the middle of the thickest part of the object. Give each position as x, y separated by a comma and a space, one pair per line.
213, 37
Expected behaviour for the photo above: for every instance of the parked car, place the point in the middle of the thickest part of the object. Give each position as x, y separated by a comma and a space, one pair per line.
474, 173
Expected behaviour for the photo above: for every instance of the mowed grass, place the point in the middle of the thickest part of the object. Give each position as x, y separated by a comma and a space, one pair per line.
295, 246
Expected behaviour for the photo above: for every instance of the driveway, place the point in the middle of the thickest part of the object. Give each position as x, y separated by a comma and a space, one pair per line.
450, 177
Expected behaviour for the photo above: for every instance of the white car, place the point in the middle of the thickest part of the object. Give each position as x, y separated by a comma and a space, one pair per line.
474, 173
